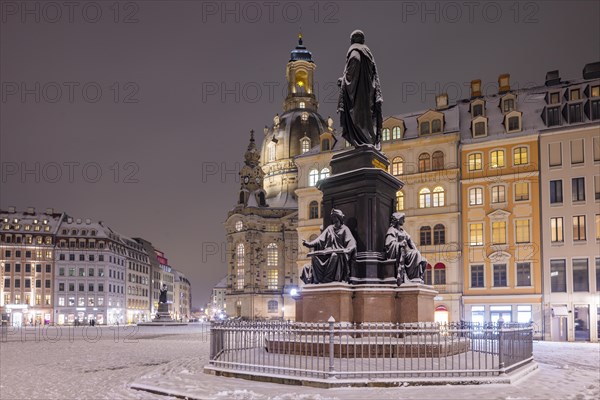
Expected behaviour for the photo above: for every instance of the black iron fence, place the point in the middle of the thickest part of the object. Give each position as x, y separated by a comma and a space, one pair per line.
370, 350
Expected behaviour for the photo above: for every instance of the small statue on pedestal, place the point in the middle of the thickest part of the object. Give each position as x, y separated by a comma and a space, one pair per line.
410, 264
163, 294
334, 252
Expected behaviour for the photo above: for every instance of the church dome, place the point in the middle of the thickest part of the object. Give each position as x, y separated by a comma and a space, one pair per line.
294, 126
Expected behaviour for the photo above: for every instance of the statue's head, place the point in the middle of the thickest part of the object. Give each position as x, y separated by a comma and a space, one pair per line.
357, 37
397, 218
337, 216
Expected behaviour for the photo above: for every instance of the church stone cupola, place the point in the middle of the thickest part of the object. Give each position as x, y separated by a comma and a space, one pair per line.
251, 177
299, 74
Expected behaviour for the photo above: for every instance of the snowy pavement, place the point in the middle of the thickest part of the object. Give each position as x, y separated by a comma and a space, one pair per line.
103, 363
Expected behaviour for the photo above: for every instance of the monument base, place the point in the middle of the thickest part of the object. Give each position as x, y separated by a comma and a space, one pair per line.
411, 302
162, 318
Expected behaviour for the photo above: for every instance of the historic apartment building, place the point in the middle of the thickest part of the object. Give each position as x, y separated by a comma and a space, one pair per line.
182, 297
61, 270
501, 205
27, 263
570, 207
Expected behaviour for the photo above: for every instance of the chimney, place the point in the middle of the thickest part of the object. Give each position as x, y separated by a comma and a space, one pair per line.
12, 210
591, 70
503, 83
49, 211
78, 220
69, 220
552, 78
441, 101
475, 88
31, 210
88, 221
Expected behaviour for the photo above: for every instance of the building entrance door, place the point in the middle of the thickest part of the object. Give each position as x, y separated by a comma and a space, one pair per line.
559, 329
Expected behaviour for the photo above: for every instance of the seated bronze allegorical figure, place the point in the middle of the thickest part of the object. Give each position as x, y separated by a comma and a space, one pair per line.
410, 264
333, 253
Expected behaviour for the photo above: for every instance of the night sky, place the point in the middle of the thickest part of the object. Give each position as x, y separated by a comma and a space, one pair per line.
138, 113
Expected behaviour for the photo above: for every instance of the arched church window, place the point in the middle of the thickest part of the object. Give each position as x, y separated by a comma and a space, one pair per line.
271, 151
272, 255
304, 145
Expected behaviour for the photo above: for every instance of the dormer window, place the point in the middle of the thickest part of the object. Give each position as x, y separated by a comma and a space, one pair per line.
302, 105
271, 149
385, 134
313, 177
574, 94
595, 91
304, 144
554, 98
479, 127
513, 122
396, 133
477, 110
508, 105
424, 128
325, 144
324, 173
436, 126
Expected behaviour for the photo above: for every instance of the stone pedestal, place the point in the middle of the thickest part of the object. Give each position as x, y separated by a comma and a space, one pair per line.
365, 192
414, 303
318, 302
365, 303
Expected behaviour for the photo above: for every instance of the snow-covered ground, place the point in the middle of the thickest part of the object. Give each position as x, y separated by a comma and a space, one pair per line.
104, 362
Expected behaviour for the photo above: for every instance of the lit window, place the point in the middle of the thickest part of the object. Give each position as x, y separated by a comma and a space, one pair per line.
397, 166
304, 116
438, 197
305, 145
475, 196
498, 194
579, 227
554, 98
556, 230
476, 234
520, 155
475, 162
272, 279
499, 232
240, 279
272, 255
324, 173
396, 132
240, 255
385, 134
595, 91
521, 191
399, 201
302, 105
598, 238
523, 232
313, 177
497, 159
424, 162
271, 151
574, 94
424, 198
239, 225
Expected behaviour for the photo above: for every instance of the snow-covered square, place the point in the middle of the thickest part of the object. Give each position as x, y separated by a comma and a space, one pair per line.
112, 362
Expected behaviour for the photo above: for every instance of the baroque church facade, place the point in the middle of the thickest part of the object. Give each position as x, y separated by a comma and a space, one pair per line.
261, 230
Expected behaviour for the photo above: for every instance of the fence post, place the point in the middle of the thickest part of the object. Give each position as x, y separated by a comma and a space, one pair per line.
331, 321
500, 349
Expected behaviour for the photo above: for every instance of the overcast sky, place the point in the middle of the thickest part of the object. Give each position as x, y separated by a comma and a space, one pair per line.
149, 103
